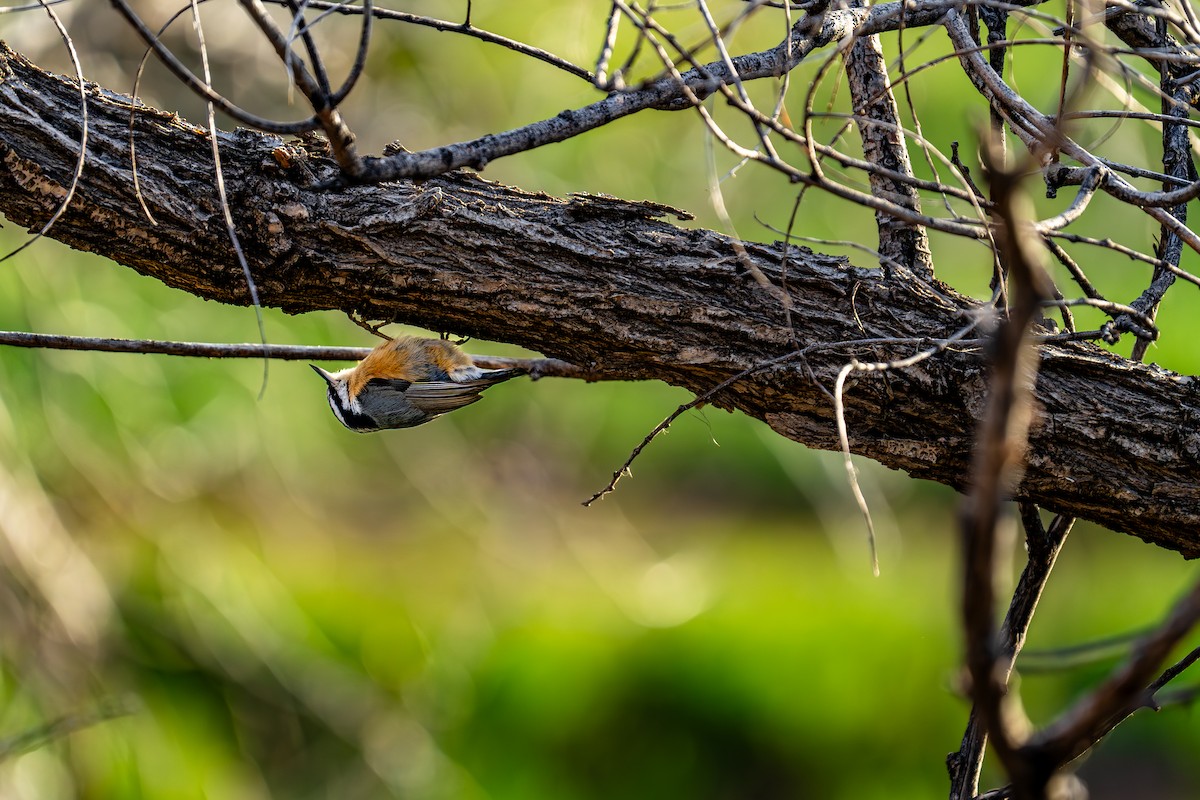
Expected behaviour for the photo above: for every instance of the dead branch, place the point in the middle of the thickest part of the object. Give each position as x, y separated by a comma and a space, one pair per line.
536, 367
1043, 546
885, 146
1000, 455
648, 300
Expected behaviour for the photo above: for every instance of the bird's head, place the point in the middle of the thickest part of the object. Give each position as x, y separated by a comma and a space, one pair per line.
346, 407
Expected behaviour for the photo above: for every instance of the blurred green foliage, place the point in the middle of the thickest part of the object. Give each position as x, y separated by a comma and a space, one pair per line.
274, 607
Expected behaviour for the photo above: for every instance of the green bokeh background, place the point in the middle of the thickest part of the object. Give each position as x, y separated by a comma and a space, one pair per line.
270, 606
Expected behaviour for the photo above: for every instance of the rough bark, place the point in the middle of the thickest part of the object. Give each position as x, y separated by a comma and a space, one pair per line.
884, 144
605, 284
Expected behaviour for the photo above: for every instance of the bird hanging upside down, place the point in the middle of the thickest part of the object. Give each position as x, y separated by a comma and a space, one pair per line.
405, 382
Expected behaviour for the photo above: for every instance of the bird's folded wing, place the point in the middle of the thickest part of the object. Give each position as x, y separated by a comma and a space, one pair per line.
439, 397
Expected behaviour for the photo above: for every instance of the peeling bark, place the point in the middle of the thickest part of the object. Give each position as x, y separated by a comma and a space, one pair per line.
607, 285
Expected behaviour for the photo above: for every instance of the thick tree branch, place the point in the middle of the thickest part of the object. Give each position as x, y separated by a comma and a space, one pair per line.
606, 285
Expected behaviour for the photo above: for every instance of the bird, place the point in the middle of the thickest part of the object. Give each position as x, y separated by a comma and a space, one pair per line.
405, 382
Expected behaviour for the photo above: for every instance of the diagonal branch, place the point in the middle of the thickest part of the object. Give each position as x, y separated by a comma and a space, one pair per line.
666, 94
1043, 545
1122, 694
606, 285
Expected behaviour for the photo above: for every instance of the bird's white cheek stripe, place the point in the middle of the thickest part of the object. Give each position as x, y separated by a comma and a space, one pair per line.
337, 412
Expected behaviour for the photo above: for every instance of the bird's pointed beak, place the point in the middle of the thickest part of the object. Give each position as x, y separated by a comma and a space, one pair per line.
328, 378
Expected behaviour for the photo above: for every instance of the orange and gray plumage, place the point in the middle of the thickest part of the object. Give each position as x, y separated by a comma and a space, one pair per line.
405, 382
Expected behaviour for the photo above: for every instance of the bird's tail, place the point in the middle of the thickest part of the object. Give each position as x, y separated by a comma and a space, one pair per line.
491, 376
483, 378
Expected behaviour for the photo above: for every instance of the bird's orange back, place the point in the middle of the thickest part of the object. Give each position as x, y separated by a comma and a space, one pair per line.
408, 358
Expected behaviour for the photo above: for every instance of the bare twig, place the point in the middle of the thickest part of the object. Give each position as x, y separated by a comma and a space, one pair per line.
665, 94
341, 139
202, 89
602, 79
1043, 546
536, 367
661, 427
463, 28
1140, 324
998, 458
226, 212
1130, 688
840, 414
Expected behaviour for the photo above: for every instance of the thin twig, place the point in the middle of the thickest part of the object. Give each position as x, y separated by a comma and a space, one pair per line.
1043, 546
226, 212
1127, 690
839, 411
341, 139
464, 28
611, 486
601, 79
536, 367
203, 90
